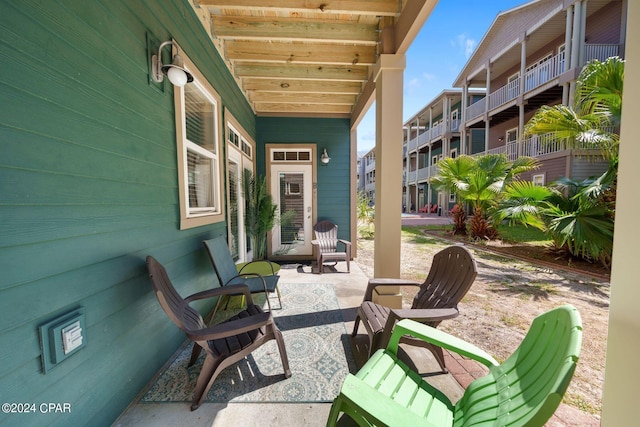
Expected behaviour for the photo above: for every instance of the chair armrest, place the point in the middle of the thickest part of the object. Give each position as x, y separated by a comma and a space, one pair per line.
229, 329
346, 243
425, 314
224, 290
377, 408
374, 283
439, 338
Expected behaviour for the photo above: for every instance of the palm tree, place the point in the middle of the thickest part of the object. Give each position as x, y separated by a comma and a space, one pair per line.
571, 213
579, 215
596, 111
480, 181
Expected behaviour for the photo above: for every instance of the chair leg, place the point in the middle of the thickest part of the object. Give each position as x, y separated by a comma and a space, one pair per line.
208, 374
195, 353
283, 351
279, 296
356, 324
439, 355
335, 411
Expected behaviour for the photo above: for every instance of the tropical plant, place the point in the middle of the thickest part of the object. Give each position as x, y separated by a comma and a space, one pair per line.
260, 212
479, 180
579, 216
592, 120
365, 215
573, 214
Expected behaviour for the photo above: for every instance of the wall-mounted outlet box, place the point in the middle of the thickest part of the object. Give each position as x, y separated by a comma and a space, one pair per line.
62, 337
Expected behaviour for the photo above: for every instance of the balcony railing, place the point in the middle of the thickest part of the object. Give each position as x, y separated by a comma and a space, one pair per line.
506, 93
546, 71
476, 109
600, 51
455, 125
437, 131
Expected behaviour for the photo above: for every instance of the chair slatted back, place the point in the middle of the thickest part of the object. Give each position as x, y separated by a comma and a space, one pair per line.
326, 234
528, 387
452, 273
171, 302
221, 259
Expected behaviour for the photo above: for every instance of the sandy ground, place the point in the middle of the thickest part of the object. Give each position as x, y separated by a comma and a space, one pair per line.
506, 296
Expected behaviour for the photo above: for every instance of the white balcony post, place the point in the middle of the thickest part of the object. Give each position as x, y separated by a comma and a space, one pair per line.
388, 79
486, 122
575, 47
583, 29
523, 70
463, 118
567, 52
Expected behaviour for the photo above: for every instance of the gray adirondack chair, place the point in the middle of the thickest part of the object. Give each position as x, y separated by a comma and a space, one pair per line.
451, 275
325, 245
224, 343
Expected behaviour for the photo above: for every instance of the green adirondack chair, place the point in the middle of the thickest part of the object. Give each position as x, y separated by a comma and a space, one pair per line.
525, 390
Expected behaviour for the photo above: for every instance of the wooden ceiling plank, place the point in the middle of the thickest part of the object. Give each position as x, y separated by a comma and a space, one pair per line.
300, 53
315, 98
305, 86
264, 107
266, 28
301, 71
360, 7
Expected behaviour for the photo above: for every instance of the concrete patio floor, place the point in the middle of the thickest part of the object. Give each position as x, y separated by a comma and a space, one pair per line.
349, 288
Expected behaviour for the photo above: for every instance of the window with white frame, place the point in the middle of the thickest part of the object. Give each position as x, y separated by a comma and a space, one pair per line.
453, 153
512, 135
197, 124
538, 179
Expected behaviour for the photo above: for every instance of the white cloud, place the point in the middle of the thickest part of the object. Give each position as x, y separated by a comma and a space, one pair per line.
464, 43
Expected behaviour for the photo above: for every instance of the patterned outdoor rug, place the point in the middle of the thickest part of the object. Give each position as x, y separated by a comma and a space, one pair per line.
317, 344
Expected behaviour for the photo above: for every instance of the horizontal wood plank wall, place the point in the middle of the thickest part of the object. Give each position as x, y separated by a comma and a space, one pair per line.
88, 188
333, 179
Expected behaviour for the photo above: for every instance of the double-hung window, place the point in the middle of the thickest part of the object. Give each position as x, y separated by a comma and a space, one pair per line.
199, 168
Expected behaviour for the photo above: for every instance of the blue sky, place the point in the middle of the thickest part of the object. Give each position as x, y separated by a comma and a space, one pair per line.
438, 53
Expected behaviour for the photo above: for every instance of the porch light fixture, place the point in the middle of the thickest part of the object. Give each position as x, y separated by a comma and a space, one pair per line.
324, 158
178, 76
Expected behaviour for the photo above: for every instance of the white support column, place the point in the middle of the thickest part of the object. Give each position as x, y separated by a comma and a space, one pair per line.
486, 122
463, 119
523, 70
583, 33
620, 395
567, 52
575, 46
388, 79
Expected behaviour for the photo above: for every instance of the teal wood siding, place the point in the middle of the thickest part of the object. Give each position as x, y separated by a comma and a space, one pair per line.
88, 188
334, 179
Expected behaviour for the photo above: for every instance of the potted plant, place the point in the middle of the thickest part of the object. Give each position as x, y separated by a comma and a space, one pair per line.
260, 212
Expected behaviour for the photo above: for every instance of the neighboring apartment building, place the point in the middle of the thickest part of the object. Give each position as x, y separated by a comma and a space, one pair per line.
367, 173
530, 56
430, 135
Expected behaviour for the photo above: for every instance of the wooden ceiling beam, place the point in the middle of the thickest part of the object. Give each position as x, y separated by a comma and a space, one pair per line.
301, 71
307, 86
359, 7
269, 28
299, 53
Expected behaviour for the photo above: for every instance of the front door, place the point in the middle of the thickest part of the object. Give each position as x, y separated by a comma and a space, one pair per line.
291, 176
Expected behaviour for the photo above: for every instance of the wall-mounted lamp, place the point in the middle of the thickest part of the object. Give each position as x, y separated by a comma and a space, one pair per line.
324, 158
178, 76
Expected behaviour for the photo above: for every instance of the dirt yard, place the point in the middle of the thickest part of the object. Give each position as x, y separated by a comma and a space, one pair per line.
507, 295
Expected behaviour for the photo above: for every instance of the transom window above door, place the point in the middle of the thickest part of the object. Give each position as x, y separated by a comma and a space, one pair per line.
284, 155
